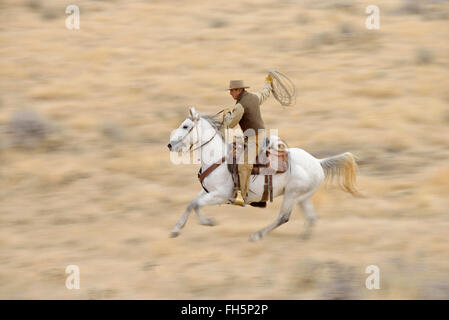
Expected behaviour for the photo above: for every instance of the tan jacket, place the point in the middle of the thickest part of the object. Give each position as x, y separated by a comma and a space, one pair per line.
246, 111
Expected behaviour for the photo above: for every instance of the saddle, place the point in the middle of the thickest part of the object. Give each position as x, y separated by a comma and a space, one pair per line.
272, 159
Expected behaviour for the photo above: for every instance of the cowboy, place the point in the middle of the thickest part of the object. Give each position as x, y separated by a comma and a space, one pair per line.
247, 114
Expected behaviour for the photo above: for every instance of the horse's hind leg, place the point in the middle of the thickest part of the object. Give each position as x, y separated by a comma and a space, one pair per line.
310, 215
284, 216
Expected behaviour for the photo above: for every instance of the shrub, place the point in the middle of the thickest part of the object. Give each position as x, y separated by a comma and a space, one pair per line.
27, 128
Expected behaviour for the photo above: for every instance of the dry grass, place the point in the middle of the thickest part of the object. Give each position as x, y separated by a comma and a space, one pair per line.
98, 189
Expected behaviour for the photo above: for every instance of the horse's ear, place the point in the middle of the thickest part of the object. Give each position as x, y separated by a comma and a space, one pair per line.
193, 114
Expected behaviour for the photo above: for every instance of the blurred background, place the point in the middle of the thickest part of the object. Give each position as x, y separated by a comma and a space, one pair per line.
86, 178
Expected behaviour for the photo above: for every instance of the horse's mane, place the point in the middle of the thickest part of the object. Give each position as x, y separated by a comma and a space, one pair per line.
214, 121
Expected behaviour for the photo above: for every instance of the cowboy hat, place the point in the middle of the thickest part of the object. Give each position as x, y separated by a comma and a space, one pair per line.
236, 84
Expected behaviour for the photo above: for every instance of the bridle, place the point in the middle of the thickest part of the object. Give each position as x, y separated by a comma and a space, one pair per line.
197, 134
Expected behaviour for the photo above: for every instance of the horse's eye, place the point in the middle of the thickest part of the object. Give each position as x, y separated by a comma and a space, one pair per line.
185, 127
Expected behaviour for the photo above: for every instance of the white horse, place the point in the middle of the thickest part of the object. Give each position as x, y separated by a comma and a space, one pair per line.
298, 184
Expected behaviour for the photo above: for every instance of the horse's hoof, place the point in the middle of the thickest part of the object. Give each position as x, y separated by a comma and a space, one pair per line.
255, 237
305, 236
174, 234
208, 222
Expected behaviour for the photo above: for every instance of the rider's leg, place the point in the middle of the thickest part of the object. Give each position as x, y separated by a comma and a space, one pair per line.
245, 168
244, 177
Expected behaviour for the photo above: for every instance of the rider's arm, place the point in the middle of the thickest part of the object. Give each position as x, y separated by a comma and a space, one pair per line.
233, 118
264, 94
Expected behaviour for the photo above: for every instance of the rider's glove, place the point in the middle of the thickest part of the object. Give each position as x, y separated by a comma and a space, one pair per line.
269, 79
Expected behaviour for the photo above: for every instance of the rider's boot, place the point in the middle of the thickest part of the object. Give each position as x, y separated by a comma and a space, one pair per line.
244, 176
260, 204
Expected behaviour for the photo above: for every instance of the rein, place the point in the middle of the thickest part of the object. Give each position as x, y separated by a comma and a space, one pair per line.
190, 149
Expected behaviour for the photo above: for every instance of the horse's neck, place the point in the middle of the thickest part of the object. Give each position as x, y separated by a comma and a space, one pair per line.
214, 150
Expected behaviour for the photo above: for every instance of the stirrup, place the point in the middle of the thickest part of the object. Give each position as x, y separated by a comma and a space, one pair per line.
238, 200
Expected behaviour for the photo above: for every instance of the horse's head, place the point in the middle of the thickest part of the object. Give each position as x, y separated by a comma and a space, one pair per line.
185, 136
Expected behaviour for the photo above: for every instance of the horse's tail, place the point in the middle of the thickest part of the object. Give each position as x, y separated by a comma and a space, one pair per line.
344, 167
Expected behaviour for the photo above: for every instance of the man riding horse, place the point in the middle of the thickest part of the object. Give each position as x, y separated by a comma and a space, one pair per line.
246, 113
300, 173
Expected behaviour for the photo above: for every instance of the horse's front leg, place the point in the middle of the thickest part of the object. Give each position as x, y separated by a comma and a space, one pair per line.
196, 206
202, 199
182, 221
204, 220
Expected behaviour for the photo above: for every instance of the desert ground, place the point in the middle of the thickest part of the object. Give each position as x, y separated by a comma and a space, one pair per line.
86, 177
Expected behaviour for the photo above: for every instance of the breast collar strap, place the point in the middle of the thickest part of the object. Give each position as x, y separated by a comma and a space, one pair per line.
208, 171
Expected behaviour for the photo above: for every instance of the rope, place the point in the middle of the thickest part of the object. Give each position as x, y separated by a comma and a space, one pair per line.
283, 88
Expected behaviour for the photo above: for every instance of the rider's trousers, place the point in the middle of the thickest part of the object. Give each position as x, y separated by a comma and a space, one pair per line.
253, 145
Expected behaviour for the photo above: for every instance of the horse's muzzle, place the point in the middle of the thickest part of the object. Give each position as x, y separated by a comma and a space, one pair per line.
169, 146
